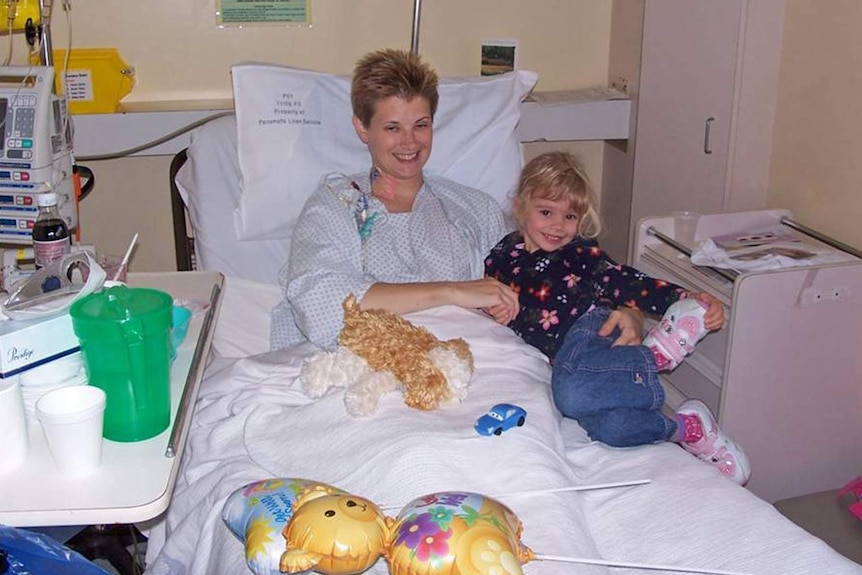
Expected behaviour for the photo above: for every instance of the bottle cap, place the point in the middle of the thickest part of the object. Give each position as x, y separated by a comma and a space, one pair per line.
46, 199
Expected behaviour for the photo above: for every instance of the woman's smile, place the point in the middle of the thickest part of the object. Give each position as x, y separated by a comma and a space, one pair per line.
399, 138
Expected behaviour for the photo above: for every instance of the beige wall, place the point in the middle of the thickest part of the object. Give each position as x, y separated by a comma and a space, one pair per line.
816, 166
180, 54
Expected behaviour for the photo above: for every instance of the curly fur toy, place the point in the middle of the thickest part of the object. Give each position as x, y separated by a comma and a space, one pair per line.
379, 352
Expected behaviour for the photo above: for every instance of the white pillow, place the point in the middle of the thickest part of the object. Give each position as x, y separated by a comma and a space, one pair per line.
294, 126
243, 324
209, 185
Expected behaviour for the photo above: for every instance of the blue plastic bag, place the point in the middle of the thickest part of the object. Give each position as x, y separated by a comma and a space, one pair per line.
31, 553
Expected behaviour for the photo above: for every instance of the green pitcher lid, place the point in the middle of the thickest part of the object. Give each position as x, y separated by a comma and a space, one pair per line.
119, 303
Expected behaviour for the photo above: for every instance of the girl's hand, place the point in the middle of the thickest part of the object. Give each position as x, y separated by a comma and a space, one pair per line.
630, 322
714, 317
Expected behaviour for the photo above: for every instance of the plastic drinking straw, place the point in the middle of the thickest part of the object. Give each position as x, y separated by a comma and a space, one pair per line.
126, 257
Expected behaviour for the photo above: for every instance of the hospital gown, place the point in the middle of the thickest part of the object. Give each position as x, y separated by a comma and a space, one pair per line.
444, 238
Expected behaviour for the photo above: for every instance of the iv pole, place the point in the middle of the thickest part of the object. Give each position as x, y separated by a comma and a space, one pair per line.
45, 46
414, 40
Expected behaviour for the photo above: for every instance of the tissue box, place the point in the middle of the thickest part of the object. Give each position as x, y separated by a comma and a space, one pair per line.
28, 344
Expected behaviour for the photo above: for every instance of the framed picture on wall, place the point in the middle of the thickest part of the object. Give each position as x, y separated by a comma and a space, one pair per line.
499, 56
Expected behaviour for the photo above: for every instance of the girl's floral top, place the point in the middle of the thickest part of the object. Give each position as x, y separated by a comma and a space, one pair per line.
556, 288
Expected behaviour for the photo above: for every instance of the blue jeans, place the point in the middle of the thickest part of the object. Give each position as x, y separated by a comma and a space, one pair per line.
613, 392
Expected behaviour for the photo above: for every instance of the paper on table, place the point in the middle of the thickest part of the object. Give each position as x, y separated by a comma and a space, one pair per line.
591, 94
754, 238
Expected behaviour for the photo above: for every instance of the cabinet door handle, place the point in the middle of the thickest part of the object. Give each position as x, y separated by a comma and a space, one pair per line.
707, 145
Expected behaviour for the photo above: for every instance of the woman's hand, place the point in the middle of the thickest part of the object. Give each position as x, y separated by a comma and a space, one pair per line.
630, 322
500, 313
496, 299
714, 317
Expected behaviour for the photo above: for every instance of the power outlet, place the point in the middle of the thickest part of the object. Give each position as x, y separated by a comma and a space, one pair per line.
621, 84
820, 295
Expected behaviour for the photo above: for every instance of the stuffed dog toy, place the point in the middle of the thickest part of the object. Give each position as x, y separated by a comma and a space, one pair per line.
379, 352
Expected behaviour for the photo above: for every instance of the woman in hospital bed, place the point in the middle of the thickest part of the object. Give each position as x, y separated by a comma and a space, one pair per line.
394, 236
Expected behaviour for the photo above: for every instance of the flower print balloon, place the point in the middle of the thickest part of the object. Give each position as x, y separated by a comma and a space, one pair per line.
456, 533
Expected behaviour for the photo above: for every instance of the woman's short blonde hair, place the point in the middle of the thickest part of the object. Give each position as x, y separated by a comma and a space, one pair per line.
559, 176
386, 73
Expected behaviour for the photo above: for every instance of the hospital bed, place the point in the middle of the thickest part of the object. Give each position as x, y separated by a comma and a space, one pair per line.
252, 421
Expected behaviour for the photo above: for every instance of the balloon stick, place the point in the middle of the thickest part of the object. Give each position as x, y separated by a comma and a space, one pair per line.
646, 566
554, 490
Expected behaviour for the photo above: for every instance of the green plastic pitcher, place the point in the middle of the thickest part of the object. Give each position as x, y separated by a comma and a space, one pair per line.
125, 336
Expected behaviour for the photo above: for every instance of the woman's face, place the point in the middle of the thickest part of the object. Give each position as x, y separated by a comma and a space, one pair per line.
399, 137
548, 224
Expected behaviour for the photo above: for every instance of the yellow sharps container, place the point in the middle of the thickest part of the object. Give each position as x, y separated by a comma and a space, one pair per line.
96, 79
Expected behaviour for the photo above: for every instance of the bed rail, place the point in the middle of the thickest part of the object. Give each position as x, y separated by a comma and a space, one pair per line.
184, 241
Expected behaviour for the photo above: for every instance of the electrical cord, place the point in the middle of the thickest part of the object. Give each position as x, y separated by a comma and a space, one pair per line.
156, 142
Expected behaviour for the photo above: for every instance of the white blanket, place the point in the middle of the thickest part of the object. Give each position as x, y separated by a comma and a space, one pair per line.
252, 422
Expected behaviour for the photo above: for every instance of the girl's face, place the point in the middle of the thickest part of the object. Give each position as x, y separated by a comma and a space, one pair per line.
548, 224
399, 138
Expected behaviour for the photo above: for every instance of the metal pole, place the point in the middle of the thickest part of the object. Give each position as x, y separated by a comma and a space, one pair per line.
414, 40
46, 50
829, 240
726, 274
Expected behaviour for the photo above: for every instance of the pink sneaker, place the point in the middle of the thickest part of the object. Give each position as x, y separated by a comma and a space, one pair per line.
715, 446
676, 334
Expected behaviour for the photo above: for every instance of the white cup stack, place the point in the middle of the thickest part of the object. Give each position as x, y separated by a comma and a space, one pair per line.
13, 427
36, 382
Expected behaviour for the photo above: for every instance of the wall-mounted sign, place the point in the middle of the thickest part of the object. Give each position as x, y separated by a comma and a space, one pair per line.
261, 12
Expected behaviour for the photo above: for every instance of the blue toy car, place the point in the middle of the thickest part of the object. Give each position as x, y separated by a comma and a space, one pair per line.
500, 418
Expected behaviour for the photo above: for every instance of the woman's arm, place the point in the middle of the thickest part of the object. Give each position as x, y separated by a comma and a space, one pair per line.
484, 222
410, 297
326, 265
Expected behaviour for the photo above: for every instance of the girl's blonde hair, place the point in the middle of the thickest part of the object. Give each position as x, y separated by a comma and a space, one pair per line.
559, 176
384, 73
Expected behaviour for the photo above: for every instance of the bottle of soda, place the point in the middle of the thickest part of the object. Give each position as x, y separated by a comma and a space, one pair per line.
51, 239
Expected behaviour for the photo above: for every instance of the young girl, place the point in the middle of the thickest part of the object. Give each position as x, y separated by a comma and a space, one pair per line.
567, 289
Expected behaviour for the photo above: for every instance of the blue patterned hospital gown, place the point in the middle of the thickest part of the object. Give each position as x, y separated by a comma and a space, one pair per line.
444, 238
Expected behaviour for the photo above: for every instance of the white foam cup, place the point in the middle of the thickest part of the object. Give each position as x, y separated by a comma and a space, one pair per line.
13, 426
685, 227
72, 418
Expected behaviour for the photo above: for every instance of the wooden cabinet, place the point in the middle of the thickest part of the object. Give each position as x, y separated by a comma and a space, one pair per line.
784, 376
692, 145
685, 106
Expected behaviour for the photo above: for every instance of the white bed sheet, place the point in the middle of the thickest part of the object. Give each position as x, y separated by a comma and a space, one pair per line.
252, 421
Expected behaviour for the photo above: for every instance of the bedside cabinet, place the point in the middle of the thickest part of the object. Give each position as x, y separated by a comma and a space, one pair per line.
784, 376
